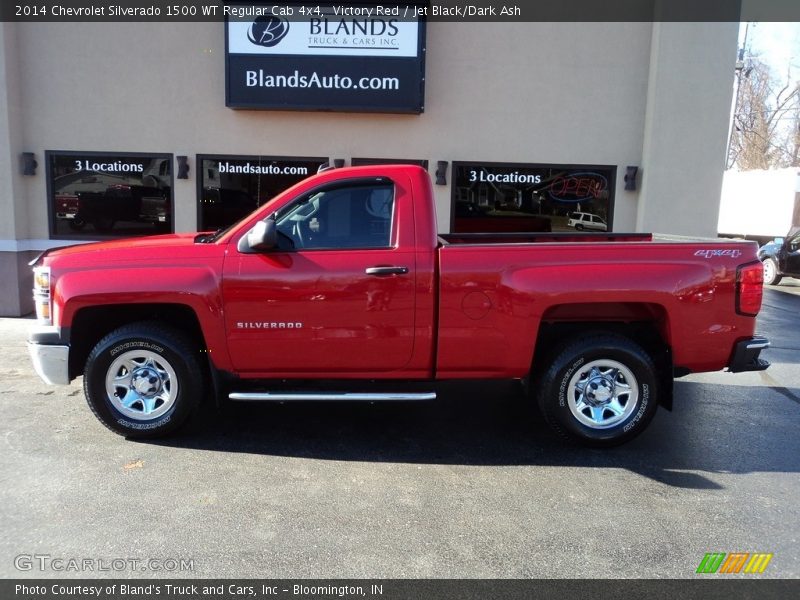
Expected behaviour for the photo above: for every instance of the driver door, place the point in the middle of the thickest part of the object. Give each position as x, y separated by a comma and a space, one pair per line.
336, 298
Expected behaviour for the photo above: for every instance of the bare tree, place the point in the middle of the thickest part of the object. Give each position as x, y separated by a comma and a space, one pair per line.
766, 119
795, 143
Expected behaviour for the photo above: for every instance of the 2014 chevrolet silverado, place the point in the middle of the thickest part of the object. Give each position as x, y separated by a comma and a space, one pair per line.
341, 289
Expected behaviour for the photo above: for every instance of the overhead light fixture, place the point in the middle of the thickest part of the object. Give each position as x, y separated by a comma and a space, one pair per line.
183, 167
27, 163
630, 178
441, 172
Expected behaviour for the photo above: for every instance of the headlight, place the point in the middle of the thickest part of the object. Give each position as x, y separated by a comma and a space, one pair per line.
41, 295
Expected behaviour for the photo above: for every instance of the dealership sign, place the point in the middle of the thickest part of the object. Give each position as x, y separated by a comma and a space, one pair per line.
339, 58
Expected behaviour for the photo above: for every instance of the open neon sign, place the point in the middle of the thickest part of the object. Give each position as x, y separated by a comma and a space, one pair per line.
578, 187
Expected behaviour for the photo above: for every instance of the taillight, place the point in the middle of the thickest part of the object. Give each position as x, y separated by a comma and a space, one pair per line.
749, 288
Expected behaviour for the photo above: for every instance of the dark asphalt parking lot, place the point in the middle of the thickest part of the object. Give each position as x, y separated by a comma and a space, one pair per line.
470, 486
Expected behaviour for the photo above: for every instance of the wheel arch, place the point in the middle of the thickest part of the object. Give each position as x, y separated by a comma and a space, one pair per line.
93, 323
646, 324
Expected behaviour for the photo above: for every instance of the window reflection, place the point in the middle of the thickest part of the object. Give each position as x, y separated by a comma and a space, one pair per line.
109, 195
231, 187
510, 197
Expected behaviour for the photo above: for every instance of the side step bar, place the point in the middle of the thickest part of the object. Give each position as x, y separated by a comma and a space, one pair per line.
335, 396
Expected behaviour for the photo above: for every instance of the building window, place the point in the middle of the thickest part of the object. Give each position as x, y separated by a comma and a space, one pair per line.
511, 197
231, 187
109, 194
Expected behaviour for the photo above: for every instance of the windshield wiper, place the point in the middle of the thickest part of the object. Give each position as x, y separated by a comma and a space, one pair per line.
207, 238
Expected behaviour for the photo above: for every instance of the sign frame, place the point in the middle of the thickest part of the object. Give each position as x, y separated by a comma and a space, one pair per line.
415, 104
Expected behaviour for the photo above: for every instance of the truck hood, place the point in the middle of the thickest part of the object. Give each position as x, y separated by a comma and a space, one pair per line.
152, 249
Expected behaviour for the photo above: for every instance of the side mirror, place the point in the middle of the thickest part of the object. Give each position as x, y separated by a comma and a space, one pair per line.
263, 236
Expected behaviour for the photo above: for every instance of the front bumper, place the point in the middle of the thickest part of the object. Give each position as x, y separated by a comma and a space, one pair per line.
50, 362
745, 355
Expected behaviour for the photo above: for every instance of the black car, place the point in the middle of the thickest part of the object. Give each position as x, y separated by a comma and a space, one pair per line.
781, 257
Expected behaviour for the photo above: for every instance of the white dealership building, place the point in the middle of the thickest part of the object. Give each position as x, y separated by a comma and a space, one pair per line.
138, 128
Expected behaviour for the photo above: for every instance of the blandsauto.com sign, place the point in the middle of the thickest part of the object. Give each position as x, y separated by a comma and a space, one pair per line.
341, 58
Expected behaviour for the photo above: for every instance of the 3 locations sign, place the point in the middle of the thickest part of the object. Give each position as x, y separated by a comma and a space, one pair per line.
364, 57
517, 197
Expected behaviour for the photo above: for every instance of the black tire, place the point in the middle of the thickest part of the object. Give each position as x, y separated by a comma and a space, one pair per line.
579, 227
581, 402
164, 359
772, 274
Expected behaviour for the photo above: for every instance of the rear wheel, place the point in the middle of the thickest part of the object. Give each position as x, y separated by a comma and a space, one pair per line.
143, 380
599, 390
771, 274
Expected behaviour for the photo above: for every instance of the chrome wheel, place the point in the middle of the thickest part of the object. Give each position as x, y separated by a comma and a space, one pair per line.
141, 385
602, 394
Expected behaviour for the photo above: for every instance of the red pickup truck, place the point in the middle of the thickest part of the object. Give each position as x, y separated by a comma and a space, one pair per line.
341, 289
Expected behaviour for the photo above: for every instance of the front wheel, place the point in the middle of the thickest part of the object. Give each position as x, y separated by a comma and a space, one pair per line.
143, 380
771, 274
599, 391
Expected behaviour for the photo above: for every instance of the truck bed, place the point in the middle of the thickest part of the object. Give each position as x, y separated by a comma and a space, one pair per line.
492, 287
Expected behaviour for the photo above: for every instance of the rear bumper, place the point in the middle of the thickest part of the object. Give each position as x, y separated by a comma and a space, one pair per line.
745, 355
50, 362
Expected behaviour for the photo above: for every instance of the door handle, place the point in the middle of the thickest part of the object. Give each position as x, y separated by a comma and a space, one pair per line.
386, 271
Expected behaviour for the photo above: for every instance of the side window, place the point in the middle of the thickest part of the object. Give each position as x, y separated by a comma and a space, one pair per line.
352, 216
